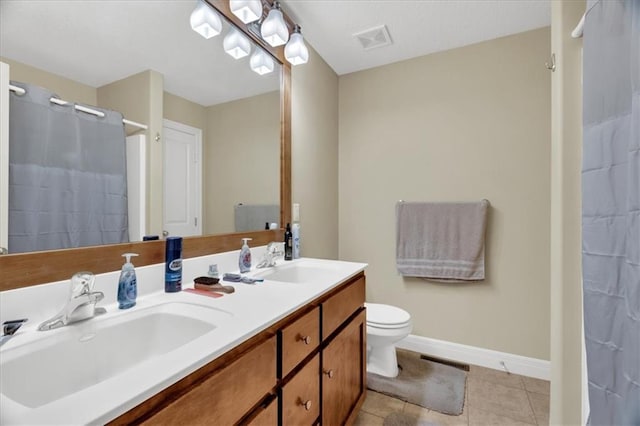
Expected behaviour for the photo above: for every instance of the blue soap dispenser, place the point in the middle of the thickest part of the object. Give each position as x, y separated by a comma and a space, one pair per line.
127, 285
245, 257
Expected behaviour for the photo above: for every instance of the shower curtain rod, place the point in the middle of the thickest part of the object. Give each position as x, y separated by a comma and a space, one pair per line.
21, 91
578, 31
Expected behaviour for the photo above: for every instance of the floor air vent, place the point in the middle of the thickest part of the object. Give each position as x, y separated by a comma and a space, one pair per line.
458, 365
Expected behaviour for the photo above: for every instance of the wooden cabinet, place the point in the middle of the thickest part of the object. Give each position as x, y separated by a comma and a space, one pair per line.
343, 358
344, 372
307, 369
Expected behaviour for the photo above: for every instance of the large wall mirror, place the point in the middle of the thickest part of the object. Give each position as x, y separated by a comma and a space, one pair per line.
217, 138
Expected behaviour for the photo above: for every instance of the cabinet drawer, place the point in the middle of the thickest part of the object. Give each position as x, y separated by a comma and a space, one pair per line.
301, 396
226, 396
299, 339
341, 305
268, 416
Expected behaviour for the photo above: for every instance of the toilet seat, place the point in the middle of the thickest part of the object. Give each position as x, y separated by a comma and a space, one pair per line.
386, 316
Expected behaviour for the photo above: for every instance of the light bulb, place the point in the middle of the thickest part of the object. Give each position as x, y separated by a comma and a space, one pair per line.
205, 21
261, 63
246, 10
236, 44
296, 51
274, 30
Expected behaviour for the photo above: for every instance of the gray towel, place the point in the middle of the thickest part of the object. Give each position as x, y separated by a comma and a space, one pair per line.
253, 217
441, 241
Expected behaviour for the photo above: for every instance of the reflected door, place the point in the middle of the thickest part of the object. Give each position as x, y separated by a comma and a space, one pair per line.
182, 179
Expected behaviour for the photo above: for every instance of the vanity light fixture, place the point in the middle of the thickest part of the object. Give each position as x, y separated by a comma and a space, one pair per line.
274, 29
236, 44
296, 51
246, 10
205, 21
261, 63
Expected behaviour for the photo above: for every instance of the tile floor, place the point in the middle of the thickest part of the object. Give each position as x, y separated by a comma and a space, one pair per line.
492, 398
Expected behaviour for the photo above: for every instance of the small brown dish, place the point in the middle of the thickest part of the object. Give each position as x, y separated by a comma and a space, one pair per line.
206, 280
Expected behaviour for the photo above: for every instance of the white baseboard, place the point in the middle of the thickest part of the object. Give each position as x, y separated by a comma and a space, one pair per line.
516, 364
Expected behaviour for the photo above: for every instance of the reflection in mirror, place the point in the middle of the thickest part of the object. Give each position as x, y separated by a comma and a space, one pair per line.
209, 158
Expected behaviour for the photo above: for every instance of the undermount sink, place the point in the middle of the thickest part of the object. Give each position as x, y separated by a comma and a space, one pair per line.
302, 271
90, 352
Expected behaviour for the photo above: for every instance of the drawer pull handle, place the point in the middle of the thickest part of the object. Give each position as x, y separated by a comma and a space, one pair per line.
329, 373
305, 339
306, 404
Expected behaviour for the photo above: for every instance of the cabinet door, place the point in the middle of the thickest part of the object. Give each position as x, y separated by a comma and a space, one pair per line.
344, 372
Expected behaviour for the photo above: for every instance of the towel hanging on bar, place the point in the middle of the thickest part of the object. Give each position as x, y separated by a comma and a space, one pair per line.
441, 241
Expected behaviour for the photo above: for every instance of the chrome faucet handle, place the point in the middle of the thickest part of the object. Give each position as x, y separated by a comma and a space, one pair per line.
268, 259
274, 248
81, 284
9, 328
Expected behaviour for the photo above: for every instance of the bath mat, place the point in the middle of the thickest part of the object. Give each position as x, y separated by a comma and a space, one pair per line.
425, 383
402, 419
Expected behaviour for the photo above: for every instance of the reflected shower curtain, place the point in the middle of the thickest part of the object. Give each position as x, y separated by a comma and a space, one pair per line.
611, 210
67, 175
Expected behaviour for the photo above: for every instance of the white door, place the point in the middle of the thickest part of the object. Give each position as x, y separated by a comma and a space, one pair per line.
4, 156
182, 179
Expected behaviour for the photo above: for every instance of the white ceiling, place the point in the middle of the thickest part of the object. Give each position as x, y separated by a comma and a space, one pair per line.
100, 41
416, 27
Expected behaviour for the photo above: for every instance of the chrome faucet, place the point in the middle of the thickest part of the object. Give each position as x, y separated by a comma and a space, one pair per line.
81, 304
270, 256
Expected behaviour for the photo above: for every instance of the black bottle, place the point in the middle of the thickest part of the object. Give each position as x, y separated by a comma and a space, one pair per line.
288, 246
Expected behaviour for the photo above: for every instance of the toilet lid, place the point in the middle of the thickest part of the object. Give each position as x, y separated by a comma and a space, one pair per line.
386, 315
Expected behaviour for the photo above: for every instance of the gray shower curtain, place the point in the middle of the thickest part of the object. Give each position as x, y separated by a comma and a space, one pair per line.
611, 210
67, 175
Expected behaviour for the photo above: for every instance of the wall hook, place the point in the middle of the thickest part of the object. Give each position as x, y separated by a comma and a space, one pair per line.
551, 66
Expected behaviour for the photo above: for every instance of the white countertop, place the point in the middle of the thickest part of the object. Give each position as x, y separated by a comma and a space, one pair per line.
253, 308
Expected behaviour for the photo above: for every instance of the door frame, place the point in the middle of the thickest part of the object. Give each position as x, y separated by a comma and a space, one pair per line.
4, 156
197, 134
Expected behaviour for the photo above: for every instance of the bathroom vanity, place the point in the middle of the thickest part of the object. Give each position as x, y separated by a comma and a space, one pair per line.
289, 350
308, 368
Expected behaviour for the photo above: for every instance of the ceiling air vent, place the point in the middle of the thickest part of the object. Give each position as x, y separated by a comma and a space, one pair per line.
374, 37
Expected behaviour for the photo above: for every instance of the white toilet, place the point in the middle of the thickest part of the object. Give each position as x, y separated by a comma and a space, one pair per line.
386, 325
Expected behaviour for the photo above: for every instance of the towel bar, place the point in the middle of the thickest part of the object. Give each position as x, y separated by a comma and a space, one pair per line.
484, 199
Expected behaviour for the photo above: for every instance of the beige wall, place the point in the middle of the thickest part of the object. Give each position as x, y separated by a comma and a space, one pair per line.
314, 132
139, 98
68, 90
242, 160
566, 237
460, 125
183, 111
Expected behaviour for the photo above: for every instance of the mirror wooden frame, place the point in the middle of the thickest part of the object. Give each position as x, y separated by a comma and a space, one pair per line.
23, 270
